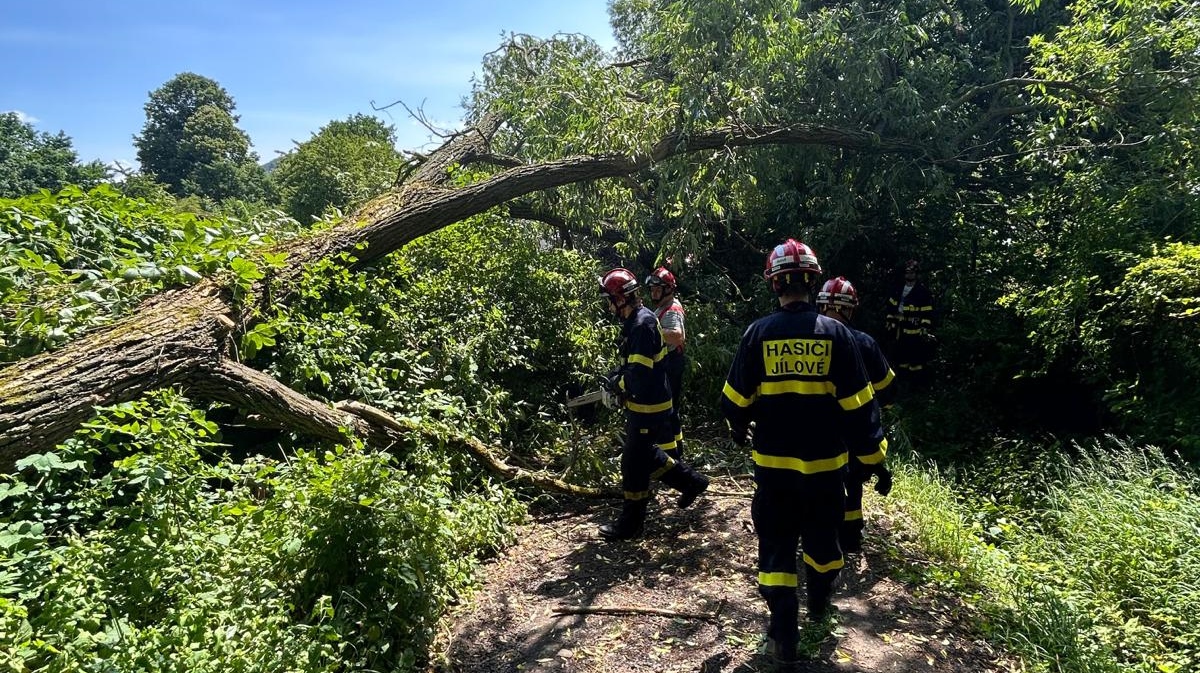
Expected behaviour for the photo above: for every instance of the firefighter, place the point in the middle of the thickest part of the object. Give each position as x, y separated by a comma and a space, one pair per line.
798, 378
909, 318
641, 383
838, 299
669, 312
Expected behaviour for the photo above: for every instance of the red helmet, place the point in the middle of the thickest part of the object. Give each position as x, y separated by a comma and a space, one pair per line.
838, 292
618, 284
790, 257
661, 278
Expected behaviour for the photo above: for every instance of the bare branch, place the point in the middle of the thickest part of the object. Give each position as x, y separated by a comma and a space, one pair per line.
256, 392
645, 60
1094, 96
634, 610
418, 114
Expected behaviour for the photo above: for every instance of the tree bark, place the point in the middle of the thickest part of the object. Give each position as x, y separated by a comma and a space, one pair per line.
181, 337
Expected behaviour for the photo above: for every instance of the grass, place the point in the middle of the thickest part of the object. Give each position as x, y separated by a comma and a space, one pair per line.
1099, 572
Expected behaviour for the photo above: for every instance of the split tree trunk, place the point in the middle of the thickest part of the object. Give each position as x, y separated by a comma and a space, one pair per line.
182, 337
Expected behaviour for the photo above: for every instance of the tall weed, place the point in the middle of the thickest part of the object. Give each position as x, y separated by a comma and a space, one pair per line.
1100, 572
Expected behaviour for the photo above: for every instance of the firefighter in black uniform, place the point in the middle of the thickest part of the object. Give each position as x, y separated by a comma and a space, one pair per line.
909, 319
641, 384
838, 299
798, 377
669, 311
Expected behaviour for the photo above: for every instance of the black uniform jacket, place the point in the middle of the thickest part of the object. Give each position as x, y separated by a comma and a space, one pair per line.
916, 316
878, 370
643, 374
799, 377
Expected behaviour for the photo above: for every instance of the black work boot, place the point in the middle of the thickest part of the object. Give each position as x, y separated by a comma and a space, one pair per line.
782, 654
850, 536
820, 605
695, 487
687, 481
629, 524
851, 544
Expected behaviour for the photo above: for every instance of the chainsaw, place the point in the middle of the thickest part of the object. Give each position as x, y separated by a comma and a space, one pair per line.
601, 396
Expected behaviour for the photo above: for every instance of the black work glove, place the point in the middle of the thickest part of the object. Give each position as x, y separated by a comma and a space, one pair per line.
612, 381
741, 435
861, 472
883, 480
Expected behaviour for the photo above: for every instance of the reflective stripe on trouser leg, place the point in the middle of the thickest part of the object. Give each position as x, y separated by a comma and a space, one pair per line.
850, 529
778, 537
819, 540
642, 460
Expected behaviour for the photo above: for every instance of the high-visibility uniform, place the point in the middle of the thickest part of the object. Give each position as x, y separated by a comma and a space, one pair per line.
909, 318
642, 382
799, 378
880, 374
671, 316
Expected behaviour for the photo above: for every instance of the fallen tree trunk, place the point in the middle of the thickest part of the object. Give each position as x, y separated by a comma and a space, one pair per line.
181, 337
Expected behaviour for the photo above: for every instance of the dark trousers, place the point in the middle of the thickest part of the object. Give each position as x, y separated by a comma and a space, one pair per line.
850, 533
910, 353
789, 512
675, 366
642, 461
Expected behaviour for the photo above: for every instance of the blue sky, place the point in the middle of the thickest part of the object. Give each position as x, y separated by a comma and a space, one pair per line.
87, 67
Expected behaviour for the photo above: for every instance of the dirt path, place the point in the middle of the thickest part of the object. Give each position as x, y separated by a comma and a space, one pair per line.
699, 563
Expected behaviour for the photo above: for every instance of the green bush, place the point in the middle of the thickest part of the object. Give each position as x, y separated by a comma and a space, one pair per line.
176, 559
1145, 341
72, 260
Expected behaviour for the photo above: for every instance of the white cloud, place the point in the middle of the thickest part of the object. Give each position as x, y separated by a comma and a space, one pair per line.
24, 118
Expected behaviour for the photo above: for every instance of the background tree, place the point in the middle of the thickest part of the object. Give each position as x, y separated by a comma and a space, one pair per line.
30, 161
341, 166
191, 142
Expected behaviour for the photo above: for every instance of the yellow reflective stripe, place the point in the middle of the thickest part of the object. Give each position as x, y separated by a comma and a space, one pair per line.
648, 408
857, 399
799, 465
679, 436
822, 568
887, 380
872, 459
640, 360
647, 360
777, 579
664, 469
853, 514
923, 308
798, 387
913, 331
637, 495
666, 446
877, 457
736, 397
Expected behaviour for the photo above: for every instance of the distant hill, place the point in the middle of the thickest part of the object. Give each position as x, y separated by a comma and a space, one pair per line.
272, 164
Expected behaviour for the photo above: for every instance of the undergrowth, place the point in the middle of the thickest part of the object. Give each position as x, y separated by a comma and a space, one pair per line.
135, 547
1098, 570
